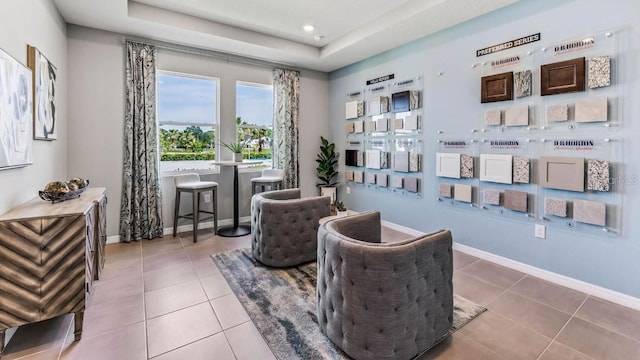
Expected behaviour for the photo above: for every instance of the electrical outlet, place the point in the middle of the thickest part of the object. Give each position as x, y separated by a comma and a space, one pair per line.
207, 198
540, 231
348, 190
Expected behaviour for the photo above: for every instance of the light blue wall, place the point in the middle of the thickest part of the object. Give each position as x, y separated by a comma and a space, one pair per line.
451, 103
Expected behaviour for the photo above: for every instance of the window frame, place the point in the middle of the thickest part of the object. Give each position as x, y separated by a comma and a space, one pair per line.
215, 126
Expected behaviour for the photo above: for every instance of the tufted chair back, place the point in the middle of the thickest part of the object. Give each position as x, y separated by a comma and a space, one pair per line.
284, 227
383, 300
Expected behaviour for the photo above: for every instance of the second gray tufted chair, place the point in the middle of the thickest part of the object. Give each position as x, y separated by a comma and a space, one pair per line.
284, 226
383, 300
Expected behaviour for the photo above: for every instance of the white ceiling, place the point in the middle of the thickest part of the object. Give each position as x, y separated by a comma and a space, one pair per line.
271, 30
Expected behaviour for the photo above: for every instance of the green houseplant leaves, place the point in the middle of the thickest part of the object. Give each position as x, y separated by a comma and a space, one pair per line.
327, 164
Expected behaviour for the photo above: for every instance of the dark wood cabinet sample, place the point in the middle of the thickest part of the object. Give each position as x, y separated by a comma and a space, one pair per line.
49, 256
562, 77
497, 87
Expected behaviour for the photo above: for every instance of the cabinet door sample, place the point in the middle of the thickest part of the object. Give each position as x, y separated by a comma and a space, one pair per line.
590, 212
411, 122
373, 106
401, 161
496, 168
400, 101
351, 157
497, 87
562, 173
373, 159
562, 77
351, 110
462, 192
448, 165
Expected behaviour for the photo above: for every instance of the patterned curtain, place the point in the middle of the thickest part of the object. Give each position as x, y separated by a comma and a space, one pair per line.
285, 125
141, 209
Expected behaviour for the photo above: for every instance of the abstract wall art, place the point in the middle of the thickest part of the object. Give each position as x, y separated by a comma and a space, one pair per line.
44, 75
16, 113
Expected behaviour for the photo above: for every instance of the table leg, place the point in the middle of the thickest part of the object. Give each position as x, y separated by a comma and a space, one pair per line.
235, 196
78, 319
236, 229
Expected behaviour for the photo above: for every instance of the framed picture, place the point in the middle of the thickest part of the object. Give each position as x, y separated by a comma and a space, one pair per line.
562, 173
16, 113
562, 77
496, 168
44, 91
448, 165
497, 87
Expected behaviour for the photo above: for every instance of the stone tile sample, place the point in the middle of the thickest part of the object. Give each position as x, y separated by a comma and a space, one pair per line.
466, 166
520, 170
358, 176
448, 165
411, 184
562, 173
556, 207
414, 162
350, 128
382, 124
493, 117
396, 182
590, 212
444, 190
360, 158
385, 104
522, 83
351, 110
384, 159
371, 178
370, 125
491, 197
591, 110
599, 72
382, 180
401, 161
373, 159
360, 108
414, 99
557, 112
399, 123
515, 200
358, 126
462, 192
597, 175
517, 116
411, 122
349, 175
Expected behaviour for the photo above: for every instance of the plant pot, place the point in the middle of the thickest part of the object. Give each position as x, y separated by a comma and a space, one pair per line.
329, 191
237, 157
341, 213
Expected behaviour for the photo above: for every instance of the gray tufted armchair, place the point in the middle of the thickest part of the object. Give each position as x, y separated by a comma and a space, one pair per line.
285, 227
383, 300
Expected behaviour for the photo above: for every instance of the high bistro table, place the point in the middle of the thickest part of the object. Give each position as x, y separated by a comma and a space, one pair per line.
236, 229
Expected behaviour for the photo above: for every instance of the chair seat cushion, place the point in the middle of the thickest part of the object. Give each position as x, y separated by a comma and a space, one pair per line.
266, 179
197, 185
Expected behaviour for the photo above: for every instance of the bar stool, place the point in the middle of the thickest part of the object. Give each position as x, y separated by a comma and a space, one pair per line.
191, 183
270, 177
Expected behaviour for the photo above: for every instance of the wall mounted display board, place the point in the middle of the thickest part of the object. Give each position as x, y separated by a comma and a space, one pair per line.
582, 188
496, 168
16, 113
587, 102
562, 77
455, 169
498, 87
562, 173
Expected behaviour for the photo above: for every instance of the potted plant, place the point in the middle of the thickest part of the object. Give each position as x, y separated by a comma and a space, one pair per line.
341, 210
236, 148
326, 171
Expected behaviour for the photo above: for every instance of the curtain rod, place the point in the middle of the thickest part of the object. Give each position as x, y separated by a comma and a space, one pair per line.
209, 53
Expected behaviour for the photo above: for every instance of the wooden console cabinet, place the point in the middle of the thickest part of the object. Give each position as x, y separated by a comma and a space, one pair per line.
50, 254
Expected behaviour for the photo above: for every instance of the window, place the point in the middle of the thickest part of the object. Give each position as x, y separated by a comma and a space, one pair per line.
254, 111
187, 119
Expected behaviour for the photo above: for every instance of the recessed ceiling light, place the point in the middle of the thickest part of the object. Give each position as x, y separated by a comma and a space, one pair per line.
308, 28
318, 37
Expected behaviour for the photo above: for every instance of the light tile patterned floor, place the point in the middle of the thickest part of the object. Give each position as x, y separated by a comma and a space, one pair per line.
164, 299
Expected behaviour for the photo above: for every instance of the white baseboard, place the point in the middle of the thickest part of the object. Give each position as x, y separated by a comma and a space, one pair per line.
187, 227
401, 228
571, 283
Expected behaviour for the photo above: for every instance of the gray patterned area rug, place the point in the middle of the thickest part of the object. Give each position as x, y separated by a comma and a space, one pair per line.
282, 305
